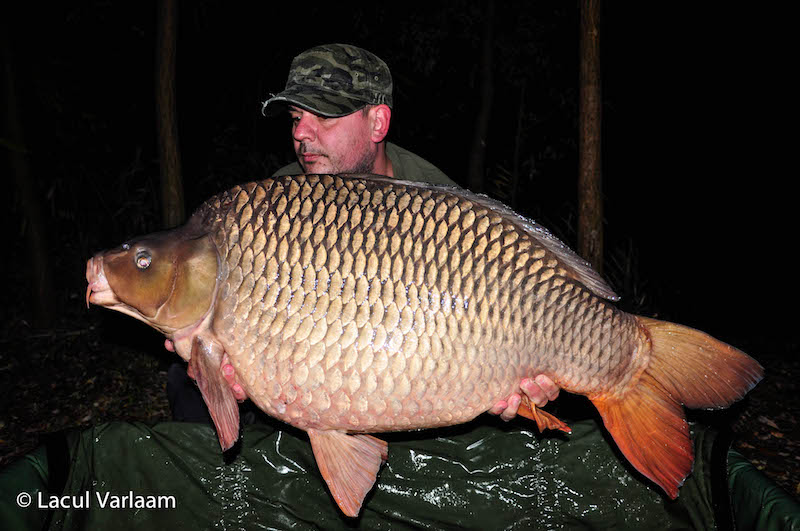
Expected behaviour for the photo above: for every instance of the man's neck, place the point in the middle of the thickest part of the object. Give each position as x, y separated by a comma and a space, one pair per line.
383, 165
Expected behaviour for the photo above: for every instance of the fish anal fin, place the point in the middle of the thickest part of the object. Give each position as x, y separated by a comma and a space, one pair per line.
650, 429
349, 464
543, 419
205, 368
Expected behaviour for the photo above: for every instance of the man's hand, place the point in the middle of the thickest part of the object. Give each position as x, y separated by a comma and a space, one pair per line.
540, 390
230, 377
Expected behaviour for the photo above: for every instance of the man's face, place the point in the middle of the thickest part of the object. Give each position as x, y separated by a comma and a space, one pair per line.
333, 145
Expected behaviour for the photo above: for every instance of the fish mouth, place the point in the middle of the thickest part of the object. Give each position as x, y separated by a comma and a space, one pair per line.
98, 291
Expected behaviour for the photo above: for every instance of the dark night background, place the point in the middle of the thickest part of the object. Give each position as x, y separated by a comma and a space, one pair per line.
699, 226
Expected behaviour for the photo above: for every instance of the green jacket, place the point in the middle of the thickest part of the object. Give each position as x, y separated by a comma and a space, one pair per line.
405, 165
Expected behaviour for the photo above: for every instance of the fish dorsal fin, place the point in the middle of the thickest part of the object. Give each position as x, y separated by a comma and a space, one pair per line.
577, 268
349, 464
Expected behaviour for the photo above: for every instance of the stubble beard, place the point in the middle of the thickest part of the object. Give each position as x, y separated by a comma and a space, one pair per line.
364, 165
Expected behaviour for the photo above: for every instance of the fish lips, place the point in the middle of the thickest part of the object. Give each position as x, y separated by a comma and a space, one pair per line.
98, 291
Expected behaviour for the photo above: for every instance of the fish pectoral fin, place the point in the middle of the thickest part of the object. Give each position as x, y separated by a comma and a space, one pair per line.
349, 464
204, 367
543, 419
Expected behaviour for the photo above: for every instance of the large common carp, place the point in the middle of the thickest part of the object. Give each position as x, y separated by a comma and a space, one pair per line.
353, 305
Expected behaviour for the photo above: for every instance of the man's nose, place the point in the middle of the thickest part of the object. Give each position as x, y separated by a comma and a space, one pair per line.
304, 129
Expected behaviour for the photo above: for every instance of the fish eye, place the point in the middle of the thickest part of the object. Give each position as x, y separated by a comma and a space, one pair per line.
143, 259
125, 246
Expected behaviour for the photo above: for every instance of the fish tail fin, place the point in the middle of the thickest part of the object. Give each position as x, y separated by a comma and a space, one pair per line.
686, 367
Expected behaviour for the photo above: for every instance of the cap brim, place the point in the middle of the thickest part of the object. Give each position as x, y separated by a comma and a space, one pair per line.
315, 101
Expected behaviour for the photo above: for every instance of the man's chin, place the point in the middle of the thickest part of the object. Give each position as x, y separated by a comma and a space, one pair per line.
316, 167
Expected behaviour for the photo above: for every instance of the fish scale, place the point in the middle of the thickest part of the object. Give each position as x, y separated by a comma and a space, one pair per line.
364, 323
348, 305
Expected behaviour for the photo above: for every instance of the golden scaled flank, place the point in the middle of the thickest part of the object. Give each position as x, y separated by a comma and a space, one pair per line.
396, 309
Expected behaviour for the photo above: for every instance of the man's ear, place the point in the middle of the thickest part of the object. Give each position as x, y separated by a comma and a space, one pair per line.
380, 118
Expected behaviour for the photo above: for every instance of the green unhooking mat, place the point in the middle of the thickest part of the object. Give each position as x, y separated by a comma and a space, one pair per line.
483, 475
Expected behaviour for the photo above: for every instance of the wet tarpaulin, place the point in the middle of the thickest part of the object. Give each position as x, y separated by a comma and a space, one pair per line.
482, 475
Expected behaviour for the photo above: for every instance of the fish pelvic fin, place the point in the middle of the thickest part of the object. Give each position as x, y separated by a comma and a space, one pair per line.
205, 366
349, 464
543, 419
686, 368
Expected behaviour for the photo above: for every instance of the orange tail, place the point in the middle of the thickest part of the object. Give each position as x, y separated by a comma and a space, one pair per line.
686, 368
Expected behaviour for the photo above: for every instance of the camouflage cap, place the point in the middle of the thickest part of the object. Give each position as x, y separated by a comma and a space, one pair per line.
335, 80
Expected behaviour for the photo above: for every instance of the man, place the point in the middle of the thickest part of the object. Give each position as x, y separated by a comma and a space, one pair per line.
339, 98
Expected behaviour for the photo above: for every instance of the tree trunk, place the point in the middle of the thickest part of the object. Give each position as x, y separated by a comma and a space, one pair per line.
172, 209
477, 155
38, 258
590, 200
517, 149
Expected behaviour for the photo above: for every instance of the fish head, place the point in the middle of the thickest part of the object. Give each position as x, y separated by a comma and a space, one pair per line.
166, 279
